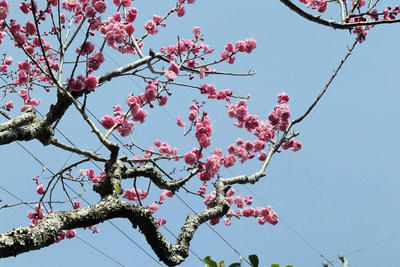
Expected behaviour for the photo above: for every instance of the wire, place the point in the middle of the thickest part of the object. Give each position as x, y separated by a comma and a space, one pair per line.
100, 251
291, 228
372, 244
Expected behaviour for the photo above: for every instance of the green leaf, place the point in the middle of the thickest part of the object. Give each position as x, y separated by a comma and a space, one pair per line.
236, 264
254, 260
210, 262
289, 265
274, 265
221, 264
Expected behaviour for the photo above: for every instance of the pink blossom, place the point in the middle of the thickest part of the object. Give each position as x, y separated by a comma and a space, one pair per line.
8, 61
151, 27
179, 121
296, 146
91, 82
131, 15
161, 222
163, 100
181, 11
140, 115
283, 98
30, 28
202, 189
262, 156
100, 6
77, 204
95, 60
107, 122
33, 102
228, 160
4, 9
229, 47
215, 221
70, 233
157, 19
247, 212
196, 31
9, 105
227, 221
40, 189
153, 207
24, 94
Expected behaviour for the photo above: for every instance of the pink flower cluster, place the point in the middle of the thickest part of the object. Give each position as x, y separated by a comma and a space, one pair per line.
90, 173
192, 156
165, 149
210, 90
244, 151
279, 116
262, 214
80, 83
155, 205
4, 9
40, 189
248, 45
164, 195
36, 215
211, 166
81, 8
196, 47
203, 130
8, 105
6, 62
180, 9
185, 45
239, 111
293, 144
24, 94
66, 234
125, 3
131, 194
95, 61
136, 112
117, 32
151, 25
161, 222
194, 111
320, 5
173, 71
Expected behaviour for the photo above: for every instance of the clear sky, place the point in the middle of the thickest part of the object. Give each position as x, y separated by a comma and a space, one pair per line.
335, 196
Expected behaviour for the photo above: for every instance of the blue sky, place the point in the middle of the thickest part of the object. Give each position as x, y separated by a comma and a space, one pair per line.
339, 193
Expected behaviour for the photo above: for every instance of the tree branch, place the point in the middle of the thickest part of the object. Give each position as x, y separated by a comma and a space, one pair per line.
156, 177
332, 23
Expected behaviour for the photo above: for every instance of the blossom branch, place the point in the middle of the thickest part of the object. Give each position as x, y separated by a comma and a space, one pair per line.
332, 23
325, 87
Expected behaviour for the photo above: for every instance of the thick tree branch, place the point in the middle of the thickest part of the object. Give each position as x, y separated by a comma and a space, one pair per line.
332, 23
25, 239
25, 118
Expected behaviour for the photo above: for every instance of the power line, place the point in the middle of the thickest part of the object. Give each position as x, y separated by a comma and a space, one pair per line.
291, 228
